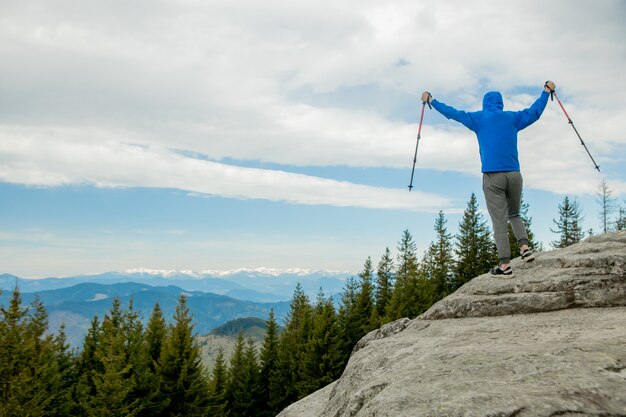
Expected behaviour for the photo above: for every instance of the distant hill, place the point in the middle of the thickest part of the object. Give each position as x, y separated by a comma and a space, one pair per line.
223, 338
211, 345
250, 326
76, 305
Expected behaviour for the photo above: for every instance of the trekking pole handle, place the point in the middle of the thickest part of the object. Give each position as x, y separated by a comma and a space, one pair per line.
551, 90
430, 97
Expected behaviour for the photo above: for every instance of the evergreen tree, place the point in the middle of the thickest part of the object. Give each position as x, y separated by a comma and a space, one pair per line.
184, 382
116, 382
323, 359
65, 380
269, 364
349, 322
438, 260
242, 385
568, 226
154, 337
13, 356
88, 365
48, 372
528, 221
235, 389
217, 391
607, 205
412, 292
16, 378
384, 283
474, 248
145, 392
251, 378
292, 344
35, 368
620, 223
364, 307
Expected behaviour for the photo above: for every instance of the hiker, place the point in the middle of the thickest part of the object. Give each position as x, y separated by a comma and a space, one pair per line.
496, 131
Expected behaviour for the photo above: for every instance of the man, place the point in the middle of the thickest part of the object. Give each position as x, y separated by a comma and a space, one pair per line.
496, 131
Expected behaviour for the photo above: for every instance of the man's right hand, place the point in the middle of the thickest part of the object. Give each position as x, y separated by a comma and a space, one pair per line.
426, 97
549, 87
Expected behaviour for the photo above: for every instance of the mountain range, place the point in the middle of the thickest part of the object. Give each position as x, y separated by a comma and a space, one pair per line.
213, 298
260, 285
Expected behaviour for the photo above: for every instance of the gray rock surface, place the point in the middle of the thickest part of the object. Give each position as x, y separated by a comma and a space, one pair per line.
551, 341
589, 274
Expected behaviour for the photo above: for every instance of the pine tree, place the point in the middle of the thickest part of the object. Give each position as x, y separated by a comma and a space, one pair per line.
66, 379
528, 221
181, 371
292, 343
364, 307
13, 357
14, 360
217, 406
116, 382
145, 392
607, 206
234, 384
45, 390
251, 378
155, 336
620, 223
474, 248
36, 372
154, 339
323, 359
349, 323
568, 226
269, 364
406, 269
88, 365
241, 388
329, 334
412, 292
63, 379
438, 261
384, 284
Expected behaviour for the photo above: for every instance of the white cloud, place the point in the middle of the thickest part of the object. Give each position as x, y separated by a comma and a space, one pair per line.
222, 79
31, 158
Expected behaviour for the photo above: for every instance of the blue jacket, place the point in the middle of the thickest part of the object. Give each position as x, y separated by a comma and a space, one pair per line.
496, 129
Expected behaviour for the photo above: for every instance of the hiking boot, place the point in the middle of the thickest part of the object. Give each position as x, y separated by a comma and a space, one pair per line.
528, 255
507, 272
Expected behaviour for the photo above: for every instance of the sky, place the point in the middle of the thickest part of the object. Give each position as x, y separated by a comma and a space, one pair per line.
216, 135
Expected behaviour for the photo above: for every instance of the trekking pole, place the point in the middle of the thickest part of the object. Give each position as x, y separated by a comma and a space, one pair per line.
569, 120
419, 131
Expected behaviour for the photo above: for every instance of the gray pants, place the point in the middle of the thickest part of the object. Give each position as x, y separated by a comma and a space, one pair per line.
503, 194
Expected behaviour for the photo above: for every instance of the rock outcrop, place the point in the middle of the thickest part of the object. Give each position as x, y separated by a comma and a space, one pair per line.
551, 341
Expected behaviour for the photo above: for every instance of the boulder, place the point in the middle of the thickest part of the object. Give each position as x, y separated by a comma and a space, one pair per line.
550, 341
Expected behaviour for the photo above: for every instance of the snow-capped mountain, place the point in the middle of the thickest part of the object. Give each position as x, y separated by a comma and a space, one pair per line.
251, 284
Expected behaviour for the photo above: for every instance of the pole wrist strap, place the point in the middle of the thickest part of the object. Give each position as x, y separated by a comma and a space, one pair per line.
551, 90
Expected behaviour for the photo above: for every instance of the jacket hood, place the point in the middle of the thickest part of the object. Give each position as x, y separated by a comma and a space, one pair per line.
493, 101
